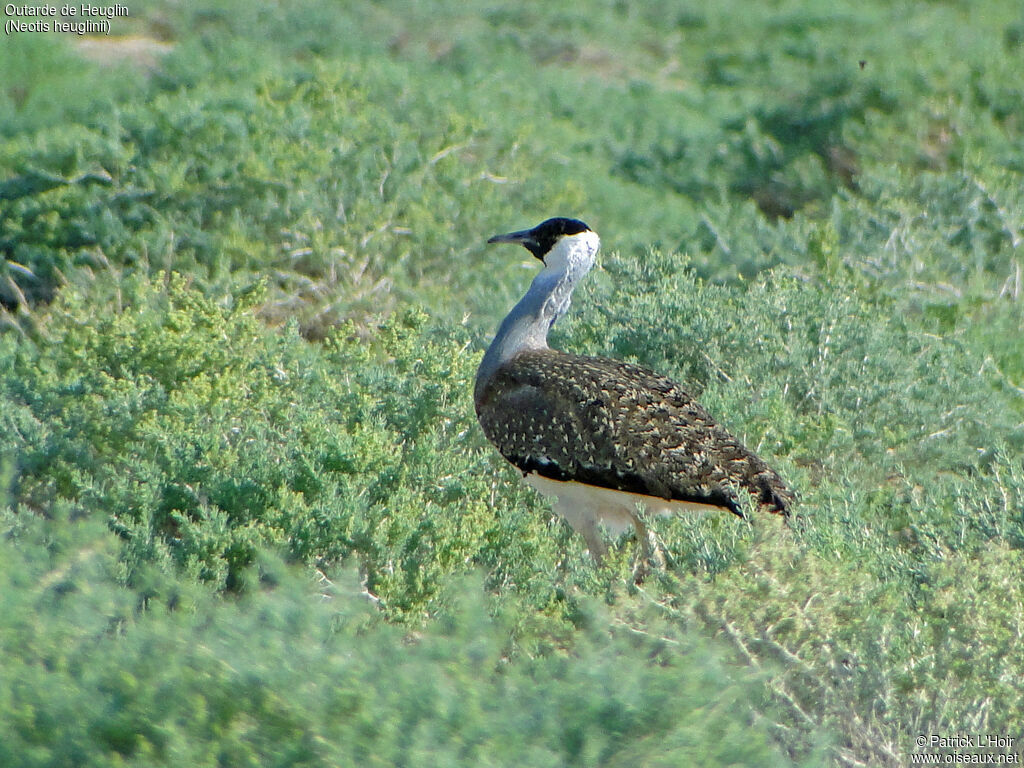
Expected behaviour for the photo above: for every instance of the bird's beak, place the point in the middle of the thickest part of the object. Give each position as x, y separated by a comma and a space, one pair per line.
524, 237
521, 236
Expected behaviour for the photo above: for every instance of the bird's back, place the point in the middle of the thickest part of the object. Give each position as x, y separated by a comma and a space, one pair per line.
616, 425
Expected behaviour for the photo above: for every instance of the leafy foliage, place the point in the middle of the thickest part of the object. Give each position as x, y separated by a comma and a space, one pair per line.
204, 437
289, 676
244, 297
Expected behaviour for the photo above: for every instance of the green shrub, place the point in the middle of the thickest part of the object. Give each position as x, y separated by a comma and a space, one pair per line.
300, 674
202, 437
354, 161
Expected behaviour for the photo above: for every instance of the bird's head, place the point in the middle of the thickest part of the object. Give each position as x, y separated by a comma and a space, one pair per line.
560, 243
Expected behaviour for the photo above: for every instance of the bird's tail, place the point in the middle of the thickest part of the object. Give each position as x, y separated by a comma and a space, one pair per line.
773, 495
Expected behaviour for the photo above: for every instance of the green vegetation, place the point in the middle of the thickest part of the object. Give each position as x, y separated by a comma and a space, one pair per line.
287, 676
248, 517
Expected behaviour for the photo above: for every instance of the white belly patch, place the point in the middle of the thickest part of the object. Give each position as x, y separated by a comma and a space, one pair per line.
584, 505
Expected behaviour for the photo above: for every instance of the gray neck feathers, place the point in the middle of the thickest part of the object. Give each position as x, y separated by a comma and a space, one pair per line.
526, 326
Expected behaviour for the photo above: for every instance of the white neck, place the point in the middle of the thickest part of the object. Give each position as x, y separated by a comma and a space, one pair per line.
527, 325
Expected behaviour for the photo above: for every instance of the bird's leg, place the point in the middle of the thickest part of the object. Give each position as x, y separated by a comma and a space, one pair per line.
650, 551
595, 543
583, 524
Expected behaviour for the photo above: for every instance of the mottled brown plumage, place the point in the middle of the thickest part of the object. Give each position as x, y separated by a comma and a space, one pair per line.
611, 424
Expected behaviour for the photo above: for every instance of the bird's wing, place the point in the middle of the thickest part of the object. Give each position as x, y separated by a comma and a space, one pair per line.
615, 425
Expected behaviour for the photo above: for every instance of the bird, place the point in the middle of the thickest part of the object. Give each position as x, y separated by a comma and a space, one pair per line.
607, 440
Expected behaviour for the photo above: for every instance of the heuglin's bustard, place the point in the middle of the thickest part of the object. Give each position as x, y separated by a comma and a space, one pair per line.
603, 436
